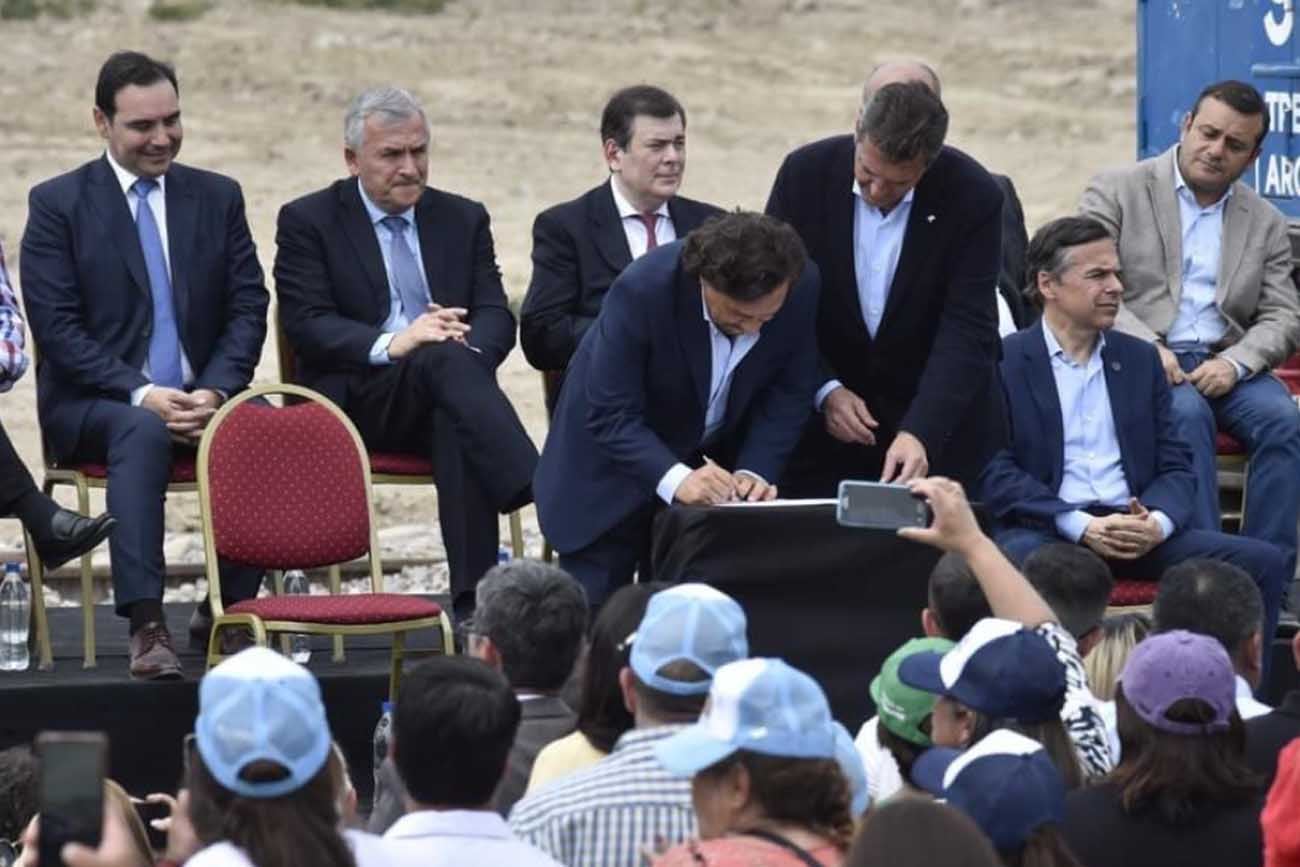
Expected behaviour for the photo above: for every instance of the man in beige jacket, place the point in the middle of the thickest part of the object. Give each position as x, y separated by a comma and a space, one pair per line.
1207, 277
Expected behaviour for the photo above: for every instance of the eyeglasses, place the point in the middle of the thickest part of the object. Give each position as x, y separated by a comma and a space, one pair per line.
10, 850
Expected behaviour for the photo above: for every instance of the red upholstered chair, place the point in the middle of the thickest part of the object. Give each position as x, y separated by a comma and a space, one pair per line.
289, 488
1133, 594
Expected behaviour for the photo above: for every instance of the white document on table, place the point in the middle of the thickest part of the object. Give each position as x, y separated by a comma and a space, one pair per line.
742, 504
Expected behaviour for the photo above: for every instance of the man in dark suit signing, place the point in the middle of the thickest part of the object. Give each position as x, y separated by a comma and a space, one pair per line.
691, 388
147, 302
906, 232
391, 298
580, 246
1093, 456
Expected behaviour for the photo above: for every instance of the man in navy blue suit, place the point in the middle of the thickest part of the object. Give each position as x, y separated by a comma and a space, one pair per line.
391, 297
579, 247
691, 387
148, 304
1093, 456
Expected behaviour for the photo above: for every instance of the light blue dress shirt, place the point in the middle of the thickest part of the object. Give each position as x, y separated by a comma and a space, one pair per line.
726, 354
1092, 471
397, 318
877, 243
1199, 320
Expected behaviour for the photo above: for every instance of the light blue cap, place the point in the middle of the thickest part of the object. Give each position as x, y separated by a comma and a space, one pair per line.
259, 706
691, 622
761, 705
850, 760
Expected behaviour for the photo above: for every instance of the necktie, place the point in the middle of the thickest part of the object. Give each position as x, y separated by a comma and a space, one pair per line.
650, 221
164, 341
406, 271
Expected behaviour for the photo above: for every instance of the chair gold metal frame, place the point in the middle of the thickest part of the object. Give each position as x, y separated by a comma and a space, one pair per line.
260, 627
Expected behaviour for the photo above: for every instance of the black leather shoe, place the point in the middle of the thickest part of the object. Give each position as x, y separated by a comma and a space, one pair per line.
71, 535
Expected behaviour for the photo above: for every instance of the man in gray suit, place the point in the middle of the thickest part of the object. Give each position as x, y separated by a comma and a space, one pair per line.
1206, 268
529, 622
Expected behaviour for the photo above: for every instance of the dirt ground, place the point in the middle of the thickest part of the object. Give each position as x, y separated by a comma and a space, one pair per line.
1042, 91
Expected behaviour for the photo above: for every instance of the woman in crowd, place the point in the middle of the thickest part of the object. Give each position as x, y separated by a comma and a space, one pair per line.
602, 718
1182, 793
1012, 790
1120, 633
765, 782
919, 832
118, 809
264, 785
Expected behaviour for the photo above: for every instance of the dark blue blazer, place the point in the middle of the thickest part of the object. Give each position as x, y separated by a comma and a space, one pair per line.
579, 247
333, 290
87, 296
1019, 485
637, 391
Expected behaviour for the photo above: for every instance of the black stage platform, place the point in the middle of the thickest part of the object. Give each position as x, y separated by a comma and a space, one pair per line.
146, 721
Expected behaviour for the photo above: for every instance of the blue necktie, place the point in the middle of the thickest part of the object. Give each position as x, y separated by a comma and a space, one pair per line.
406, 271
164, 342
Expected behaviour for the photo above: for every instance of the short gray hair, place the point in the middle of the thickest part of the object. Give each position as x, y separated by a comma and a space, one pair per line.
536, 615
392, 104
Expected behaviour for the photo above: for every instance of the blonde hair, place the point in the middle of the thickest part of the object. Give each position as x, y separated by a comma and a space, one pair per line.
1120, 633
116, 798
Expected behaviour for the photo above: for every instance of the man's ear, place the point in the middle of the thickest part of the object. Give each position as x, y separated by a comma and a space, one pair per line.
482, 647
930, 624
101, 121
629, 692
1295, 650
1254, 657
1088, 641
613, 155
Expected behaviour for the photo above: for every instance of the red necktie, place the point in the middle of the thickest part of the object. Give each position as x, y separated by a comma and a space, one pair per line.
650, 221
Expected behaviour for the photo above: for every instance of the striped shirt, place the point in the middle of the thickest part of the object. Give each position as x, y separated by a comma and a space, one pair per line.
12, 359
1081, 712
602, 816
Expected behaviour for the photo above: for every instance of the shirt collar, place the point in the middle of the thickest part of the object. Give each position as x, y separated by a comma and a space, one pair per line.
377, 214
644, 737
1180, 186
625, 208
125, 179
450, 823
906, 200
1054, 346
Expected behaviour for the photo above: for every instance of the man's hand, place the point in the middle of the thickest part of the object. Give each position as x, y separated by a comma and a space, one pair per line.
165, 402
1214, 377
1173, 372
954, 527
751, 488
707, 486
199, 407
1124, 537
905, 460
848, 419
434, 326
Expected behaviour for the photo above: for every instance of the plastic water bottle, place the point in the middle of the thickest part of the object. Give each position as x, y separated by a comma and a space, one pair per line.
15, 612
295, 582
382, 729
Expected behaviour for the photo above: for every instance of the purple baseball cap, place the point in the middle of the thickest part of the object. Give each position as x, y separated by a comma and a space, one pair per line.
1171, 666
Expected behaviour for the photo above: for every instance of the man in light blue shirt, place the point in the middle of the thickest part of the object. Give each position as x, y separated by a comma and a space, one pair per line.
1207, 279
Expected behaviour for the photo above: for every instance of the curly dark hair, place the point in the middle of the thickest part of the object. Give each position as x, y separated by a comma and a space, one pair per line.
744, 255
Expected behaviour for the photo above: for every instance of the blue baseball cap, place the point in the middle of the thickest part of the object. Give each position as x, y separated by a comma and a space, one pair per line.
1000, 669
693, 623
850, 761
259, 706
761, 705
1006, 782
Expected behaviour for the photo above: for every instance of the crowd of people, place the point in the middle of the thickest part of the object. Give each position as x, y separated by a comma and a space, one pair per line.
887, 318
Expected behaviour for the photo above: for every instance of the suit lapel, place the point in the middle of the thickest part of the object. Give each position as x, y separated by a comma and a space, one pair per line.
1236, 226
1122, 410
1042, 385
361, 234
182, 217
693, 332
110, 204
841, 207
433, 243
1169, 224
607, 228
918, 241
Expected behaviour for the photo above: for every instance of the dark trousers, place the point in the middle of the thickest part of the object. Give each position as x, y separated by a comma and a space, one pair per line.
137, 449
15, 481
617, 554
1263, 562
443, 400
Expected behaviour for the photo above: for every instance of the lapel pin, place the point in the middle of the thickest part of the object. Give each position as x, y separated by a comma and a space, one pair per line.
1114, 365
929, 218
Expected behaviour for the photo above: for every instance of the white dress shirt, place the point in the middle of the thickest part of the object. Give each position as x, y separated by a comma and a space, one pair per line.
634, 228
397, 318
1199, 320
1092, 469
158, 205
459, 838
877, 243
726, 354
